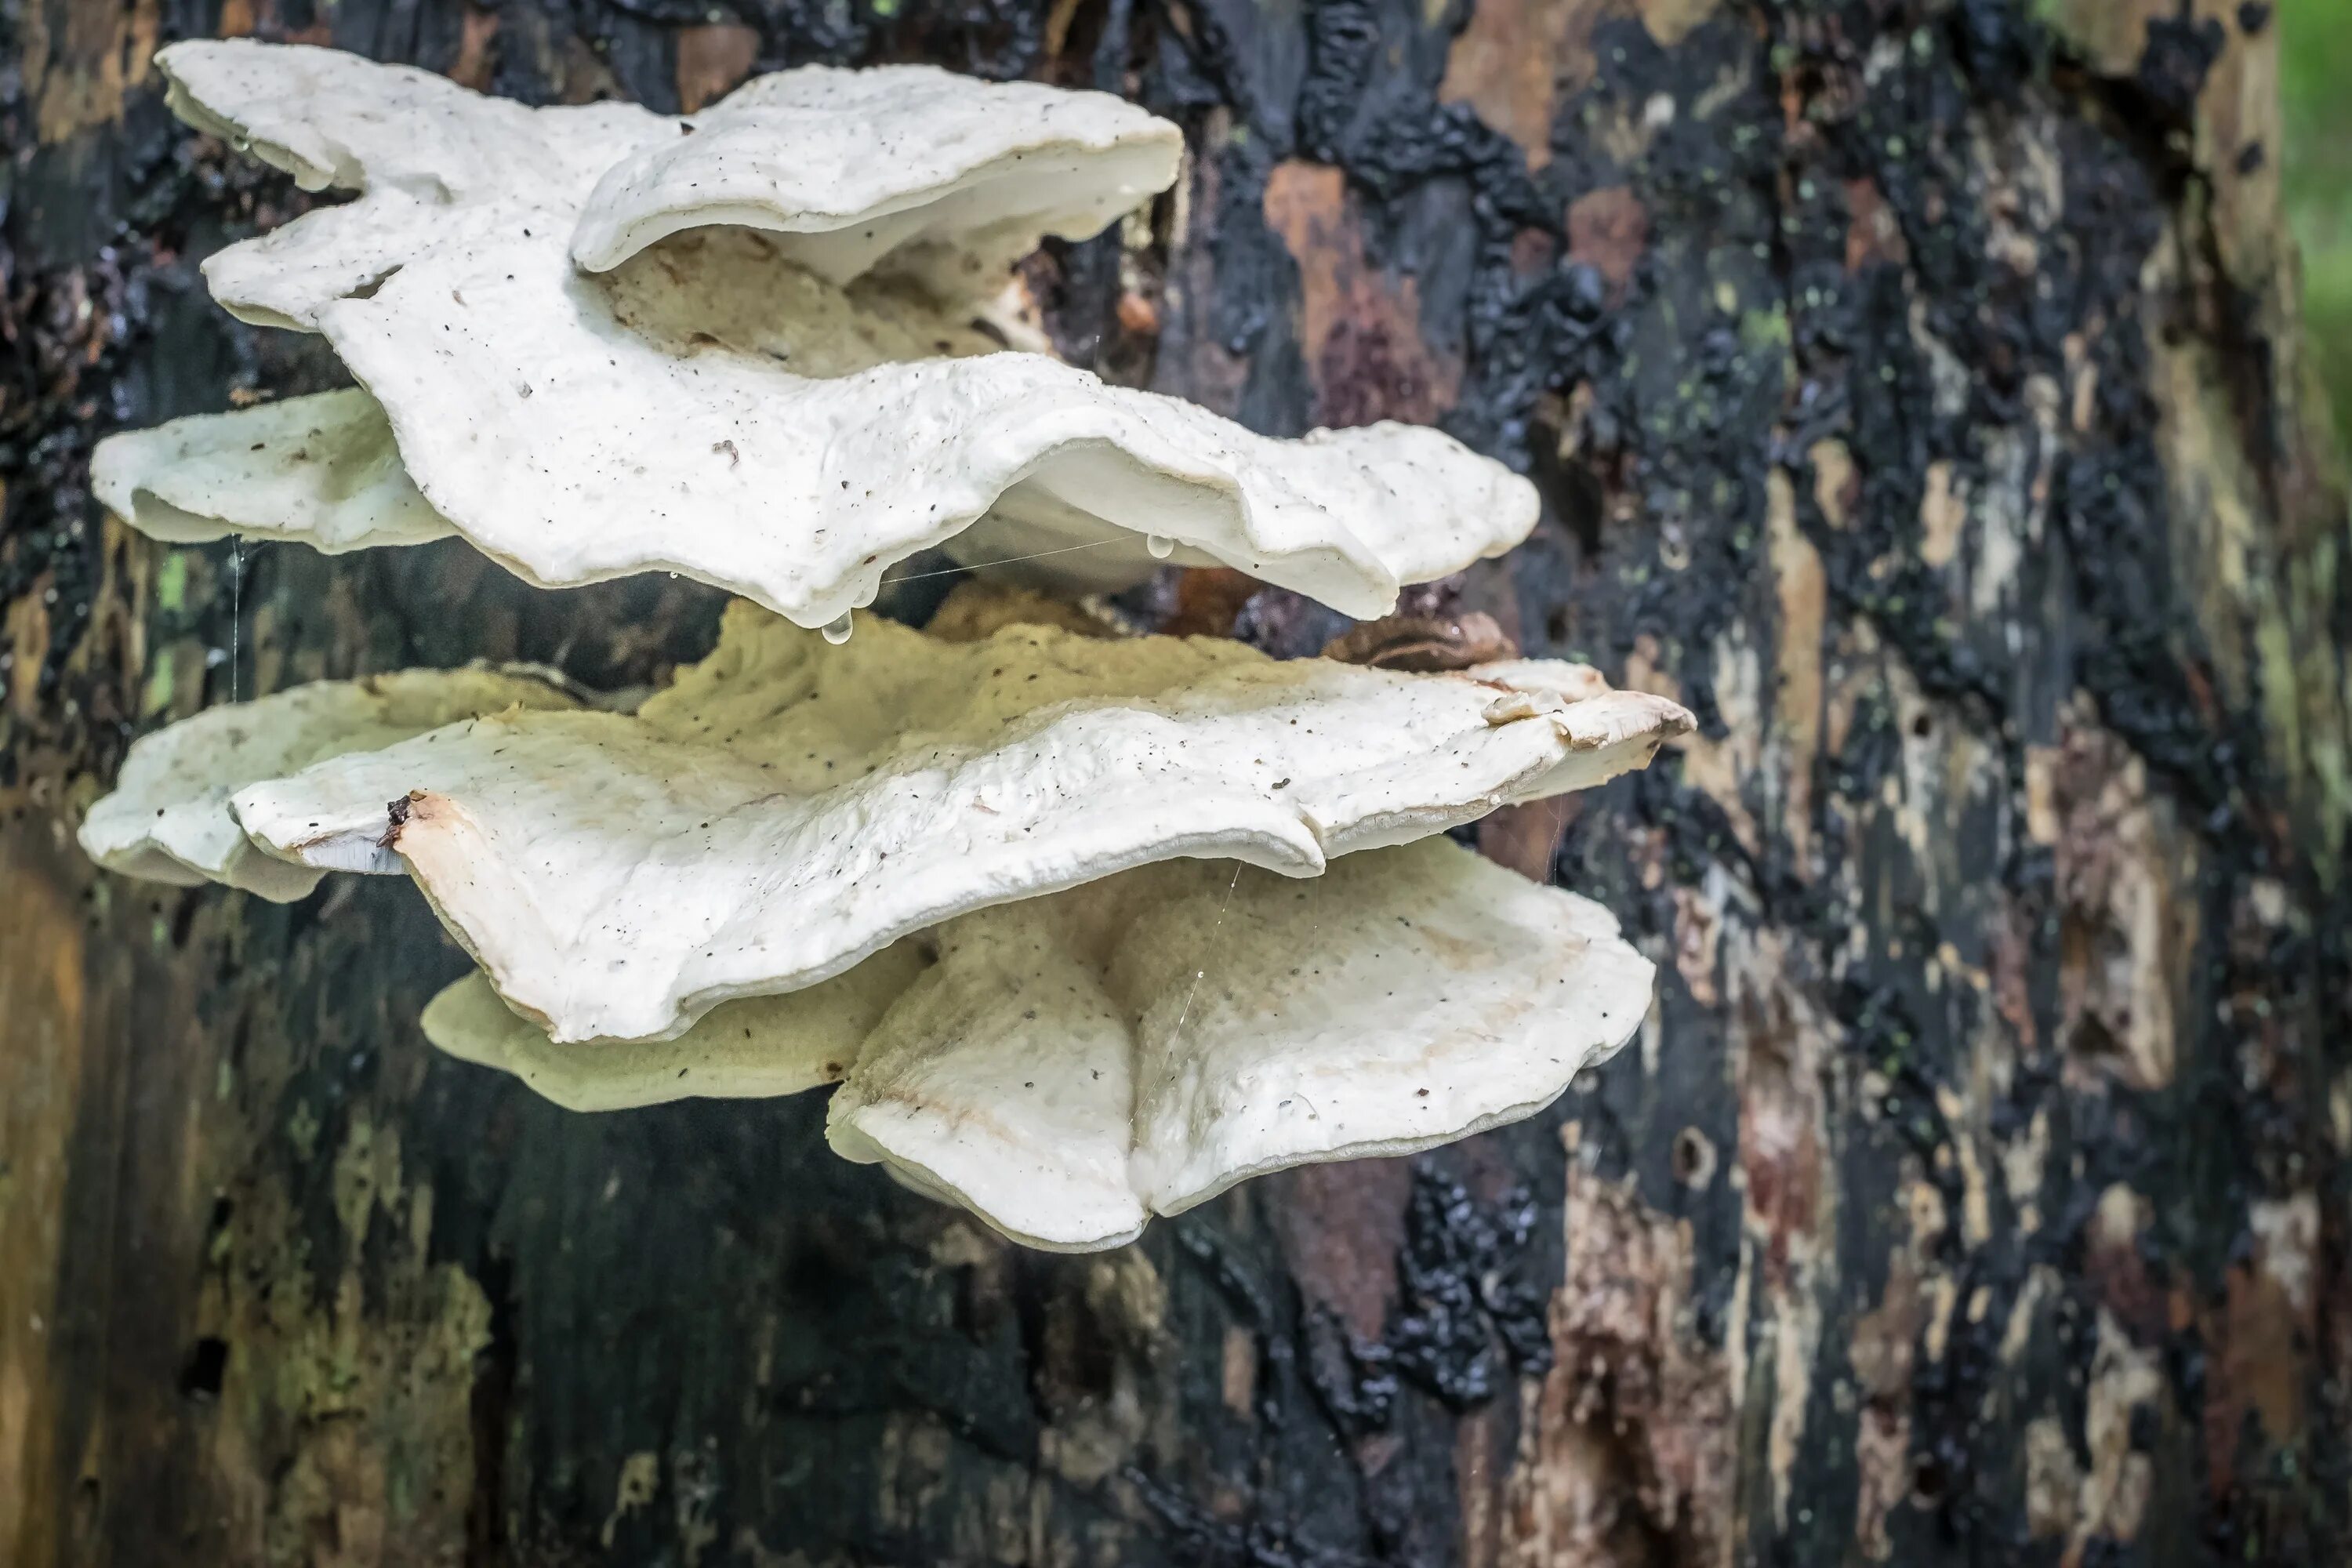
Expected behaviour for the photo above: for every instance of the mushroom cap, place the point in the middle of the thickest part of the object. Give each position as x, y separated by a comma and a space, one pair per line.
712, 407
909, 165
323, 469
168, 818
1068, 1066
788, 807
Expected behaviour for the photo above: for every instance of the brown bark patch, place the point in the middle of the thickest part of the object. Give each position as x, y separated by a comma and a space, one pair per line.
1342, 1226
1871, 236
77, 59
1237, 1371
2264, 1331
1208, 601
1699, 934
1837, 484
1881, 1463
1527, 838
1780, 1046
1532, 252
1943, 513
2113, 1265
1361, 331
1803, 587
1515, 58
27, 637
2124, 935
41, 995
1627, 1453
475, 34
711, 59
1608, 230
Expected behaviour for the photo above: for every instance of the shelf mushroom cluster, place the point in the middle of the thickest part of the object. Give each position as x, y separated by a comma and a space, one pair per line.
1087, 929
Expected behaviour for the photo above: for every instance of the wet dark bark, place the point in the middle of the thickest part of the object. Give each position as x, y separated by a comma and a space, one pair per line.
1914, 390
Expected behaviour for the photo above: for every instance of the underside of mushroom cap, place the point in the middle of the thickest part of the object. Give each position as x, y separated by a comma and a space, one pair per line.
168, 818
789, 807
710, 407
753, 1049
1069, 1065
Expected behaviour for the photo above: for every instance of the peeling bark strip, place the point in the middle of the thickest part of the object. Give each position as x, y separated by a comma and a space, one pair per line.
1915, 391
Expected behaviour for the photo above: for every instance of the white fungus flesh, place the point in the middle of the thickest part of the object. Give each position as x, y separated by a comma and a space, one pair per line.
322, 469
787, 806
1068, 1067
168, 818
758, 399
916, 170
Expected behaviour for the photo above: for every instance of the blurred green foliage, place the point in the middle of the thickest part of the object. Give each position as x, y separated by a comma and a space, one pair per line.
2316, 82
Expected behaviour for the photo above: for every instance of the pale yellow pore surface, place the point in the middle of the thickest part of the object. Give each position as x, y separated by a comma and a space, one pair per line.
754, 1049
1068, 1066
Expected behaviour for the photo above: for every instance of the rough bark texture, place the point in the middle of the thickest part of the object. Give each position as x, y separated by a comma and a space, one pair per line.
1915, 393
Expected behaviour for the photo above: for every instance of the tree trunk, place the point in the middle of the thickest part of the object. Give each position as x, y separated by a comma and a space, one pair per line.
1914, 391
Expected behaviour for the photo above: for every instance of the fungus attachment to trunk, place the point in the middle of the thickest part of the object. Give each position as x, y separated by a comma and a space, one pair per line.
751, 356
1066, 1067
1086, 926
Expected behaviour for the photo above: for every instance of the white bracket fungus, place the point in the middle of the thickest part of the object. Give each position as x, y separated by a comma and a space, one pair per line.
786, 809
778, 409
168, 819
1067, 1066
1006, 885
